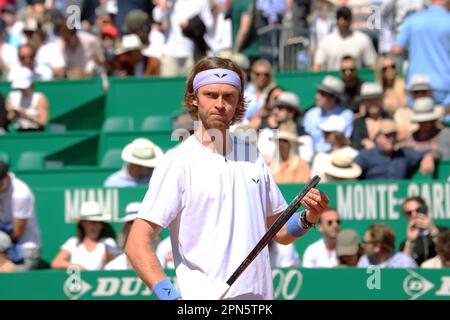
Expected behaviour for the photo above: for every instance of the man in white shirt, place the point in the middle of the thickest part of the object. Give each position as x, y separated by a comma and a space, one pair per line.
322, 253
217, 196
18, 219
344, 42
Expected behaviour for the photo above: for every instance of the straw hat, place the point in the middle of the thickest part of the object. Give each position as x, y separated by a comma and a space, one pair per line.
142, 152
332, 85
424, 109
420, 82
129, 42
287, 99
91, 211
370, 90
341, 166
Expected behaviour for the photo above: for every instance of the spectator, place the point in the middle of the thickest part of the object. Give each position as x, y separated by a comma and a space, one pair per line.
264, 117
366, 127
256, 91
82, 52
343, 42
29, 110
394, 88
333, 131
352, 83
108, 36
15, 35
123, 7
341, 167
178, 54
420, 230
287, 166
140, 157
322, 253
285, 113
385, 162
322, 21
154, 51
91, 249
6, 265
427, 115
219, 36
421, 36
18, 220
327, 104
348, 249
48, 59
442, 260
130, 59
245, 37
138, 22
379, 247
121, 262
8, 53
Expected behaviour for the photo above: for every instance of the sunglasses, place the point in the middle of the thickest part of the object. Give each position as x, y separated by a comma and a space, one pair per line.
385, 68
420, 209
343, 70
260, 74
325, 94
330, 222
26, 57
368, 242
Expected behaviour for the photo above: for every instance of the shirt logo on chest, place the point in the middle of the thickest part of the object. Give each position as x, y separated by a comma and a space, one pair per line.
255, 180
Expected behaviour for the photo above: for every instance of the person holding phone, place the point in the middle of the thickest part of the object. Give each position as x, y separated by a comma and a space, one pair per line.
420, 231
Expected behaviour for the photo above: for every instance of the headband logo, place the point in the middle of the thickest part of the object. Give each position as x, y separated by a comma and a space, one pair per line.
220, 76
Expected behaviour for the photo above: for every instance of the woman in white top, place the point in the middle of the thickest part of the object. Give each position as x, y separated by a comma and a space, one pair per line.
90, 250
28, 109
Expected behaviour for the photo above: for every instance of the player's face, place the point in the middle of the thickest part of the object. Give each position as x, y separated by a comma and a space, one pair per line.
217, 104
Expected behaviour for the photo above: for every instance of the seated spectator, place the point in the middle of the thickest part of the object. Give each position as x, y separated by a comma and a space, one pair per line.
121, 262
327, 104
90, 249
82, 52
322, 253
394, 88
333, 131
379, 248
140, 157
420, 230
256, 91
348, 249
285, 114
427, 115
352, 83
264, 118
108, 35
131, 62
442, 259
366, 127
27, 109
344, 41
283, 256
341, 167
18, 220
287, 166
6, 265
385, 162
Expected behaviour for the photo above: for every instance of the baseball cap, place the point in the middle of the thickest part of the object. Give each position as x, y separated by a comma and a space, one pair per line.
347, 243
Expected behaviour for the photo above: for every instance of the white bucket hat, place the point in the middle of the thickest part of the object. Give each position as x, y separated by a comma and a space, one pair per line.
370, 90
424, 109
130, 42
142, 152
332, 85
341, 166
333, 123
131, 211
91, 211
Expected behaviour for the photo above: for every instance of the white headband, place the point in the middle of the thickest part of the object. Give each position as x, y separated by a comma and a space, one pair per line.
217, 76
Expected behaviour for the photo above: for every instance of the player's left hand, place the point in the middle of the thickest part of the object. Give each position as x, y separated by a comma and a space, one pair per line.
315, 202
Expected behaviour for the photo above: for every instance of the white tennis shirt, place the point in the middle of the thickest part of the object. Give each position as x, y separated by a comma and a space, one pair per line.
216, 209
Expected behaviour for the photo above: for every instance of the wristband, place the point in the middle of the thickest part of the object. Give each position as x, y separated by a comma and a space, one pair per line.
294, 227
165, 290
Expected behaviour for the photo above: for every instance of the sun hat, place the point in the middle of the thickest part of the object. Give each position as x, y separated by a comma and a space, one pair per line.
424, 109
91, 211
370, 90
129, 42
142, 152
347, 243
131, 211
341, 166
332, 85
334, 123
420, 82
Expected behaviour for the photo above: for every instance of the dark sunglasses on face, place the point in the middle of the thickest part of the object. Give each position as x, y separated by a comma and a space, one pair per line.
330, 222
420, 209
391, 66
260, 74
325, 94
343, 70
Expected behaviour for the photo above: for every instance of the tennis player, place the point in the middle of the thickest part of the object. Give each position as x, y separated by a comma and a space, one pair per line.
218, 198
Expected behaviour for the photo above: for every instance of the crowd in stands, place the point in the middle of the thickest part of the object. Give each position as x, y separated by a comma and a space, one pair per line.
387, 129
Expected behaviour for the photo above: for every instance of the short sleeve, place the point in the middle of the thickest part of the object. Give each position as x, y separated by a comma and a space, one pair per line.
164, 198
277, 203
320, 55
403, 36
70, 245
23, 205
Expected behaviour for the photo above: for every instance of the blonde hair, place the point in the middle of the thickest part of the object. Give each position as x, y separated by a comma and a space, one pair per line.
384, 234
213, 63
